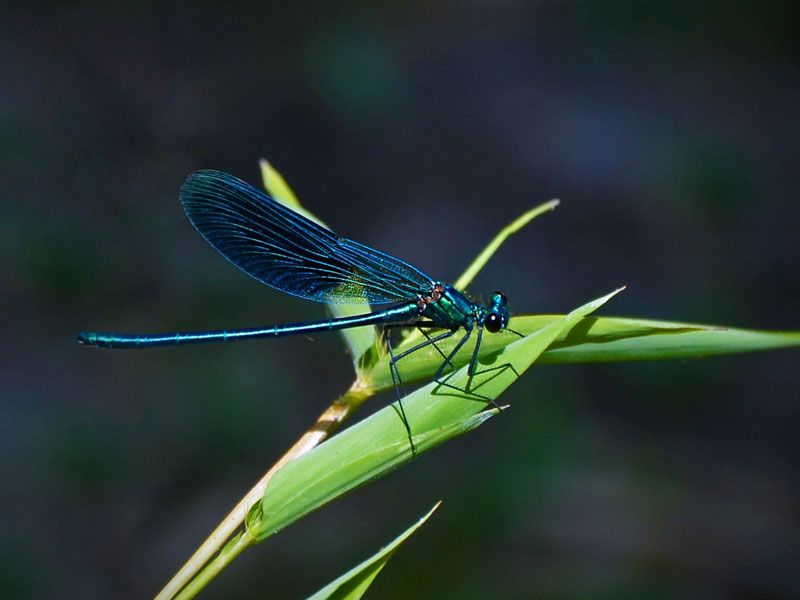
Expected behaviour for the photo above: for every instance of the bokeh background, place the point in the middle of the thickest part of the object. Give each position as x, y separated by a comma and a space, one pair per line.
669, 130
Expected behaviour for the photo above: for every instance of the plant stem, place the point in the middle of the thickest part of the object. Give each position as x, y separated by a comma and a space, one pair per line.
325, 425
215, 567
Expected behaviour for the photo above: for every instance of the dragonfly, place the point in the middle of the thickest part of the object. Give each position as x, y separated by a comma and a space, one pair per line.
288, 252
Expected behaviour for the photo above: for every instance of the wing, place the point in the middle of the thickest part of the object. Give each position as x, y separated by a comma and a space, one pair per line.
284, 250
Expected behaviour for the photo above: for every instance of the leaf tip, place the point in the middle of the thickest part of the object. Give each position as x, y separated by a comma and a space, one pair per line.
483, 416
605, 299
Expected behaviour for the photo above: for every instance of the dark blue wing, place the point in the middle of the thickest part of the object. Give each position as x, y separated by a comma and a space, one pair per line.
285, 250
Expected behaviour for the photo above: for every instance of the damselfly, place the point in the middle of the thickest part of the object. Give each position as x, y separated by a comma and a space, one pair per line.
288, 252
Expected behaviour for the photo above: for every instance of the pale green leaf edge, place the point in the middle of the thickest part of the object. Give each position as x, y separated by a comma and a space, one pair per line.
480, 261
353, 584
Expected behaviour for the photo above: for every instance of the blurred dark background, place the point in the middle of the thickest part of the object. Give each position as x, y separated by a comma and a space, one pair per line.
669, 130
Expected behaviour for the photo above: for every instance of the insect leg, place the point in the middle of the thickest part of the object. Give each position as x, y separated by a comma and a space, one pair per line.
395, 371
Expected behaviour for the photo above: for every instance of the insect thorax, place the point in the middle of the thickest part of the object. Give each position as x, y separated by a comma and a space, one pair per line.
447, 307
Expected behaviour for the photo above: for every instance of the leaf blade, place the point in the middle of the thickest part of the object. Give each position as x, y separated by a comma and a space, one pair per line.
353, 584
480, 261
602, 339
378, 444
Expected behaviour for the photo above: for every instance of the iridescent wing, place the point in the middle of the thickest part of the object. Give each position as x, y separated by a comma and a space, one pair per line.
284, 250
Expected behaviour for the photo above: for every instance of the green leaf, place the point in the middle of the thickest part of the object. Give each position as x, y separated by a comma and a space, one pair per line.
595, 339
355, 582
359, 340
378, 444
276, 186
414, 336
611, 339
363, 343
518, 223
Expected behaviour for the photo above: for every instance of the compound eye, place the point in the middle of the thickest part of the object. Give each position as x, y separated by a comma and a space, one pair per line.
492, 323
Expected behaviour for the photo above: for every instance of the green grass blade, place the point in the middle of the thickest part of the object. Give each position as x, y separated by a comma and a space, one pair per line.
610, 339
276, 186
359, 340
378, 444
414, 336
487, 253
353, 584
363, 343
599, 339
